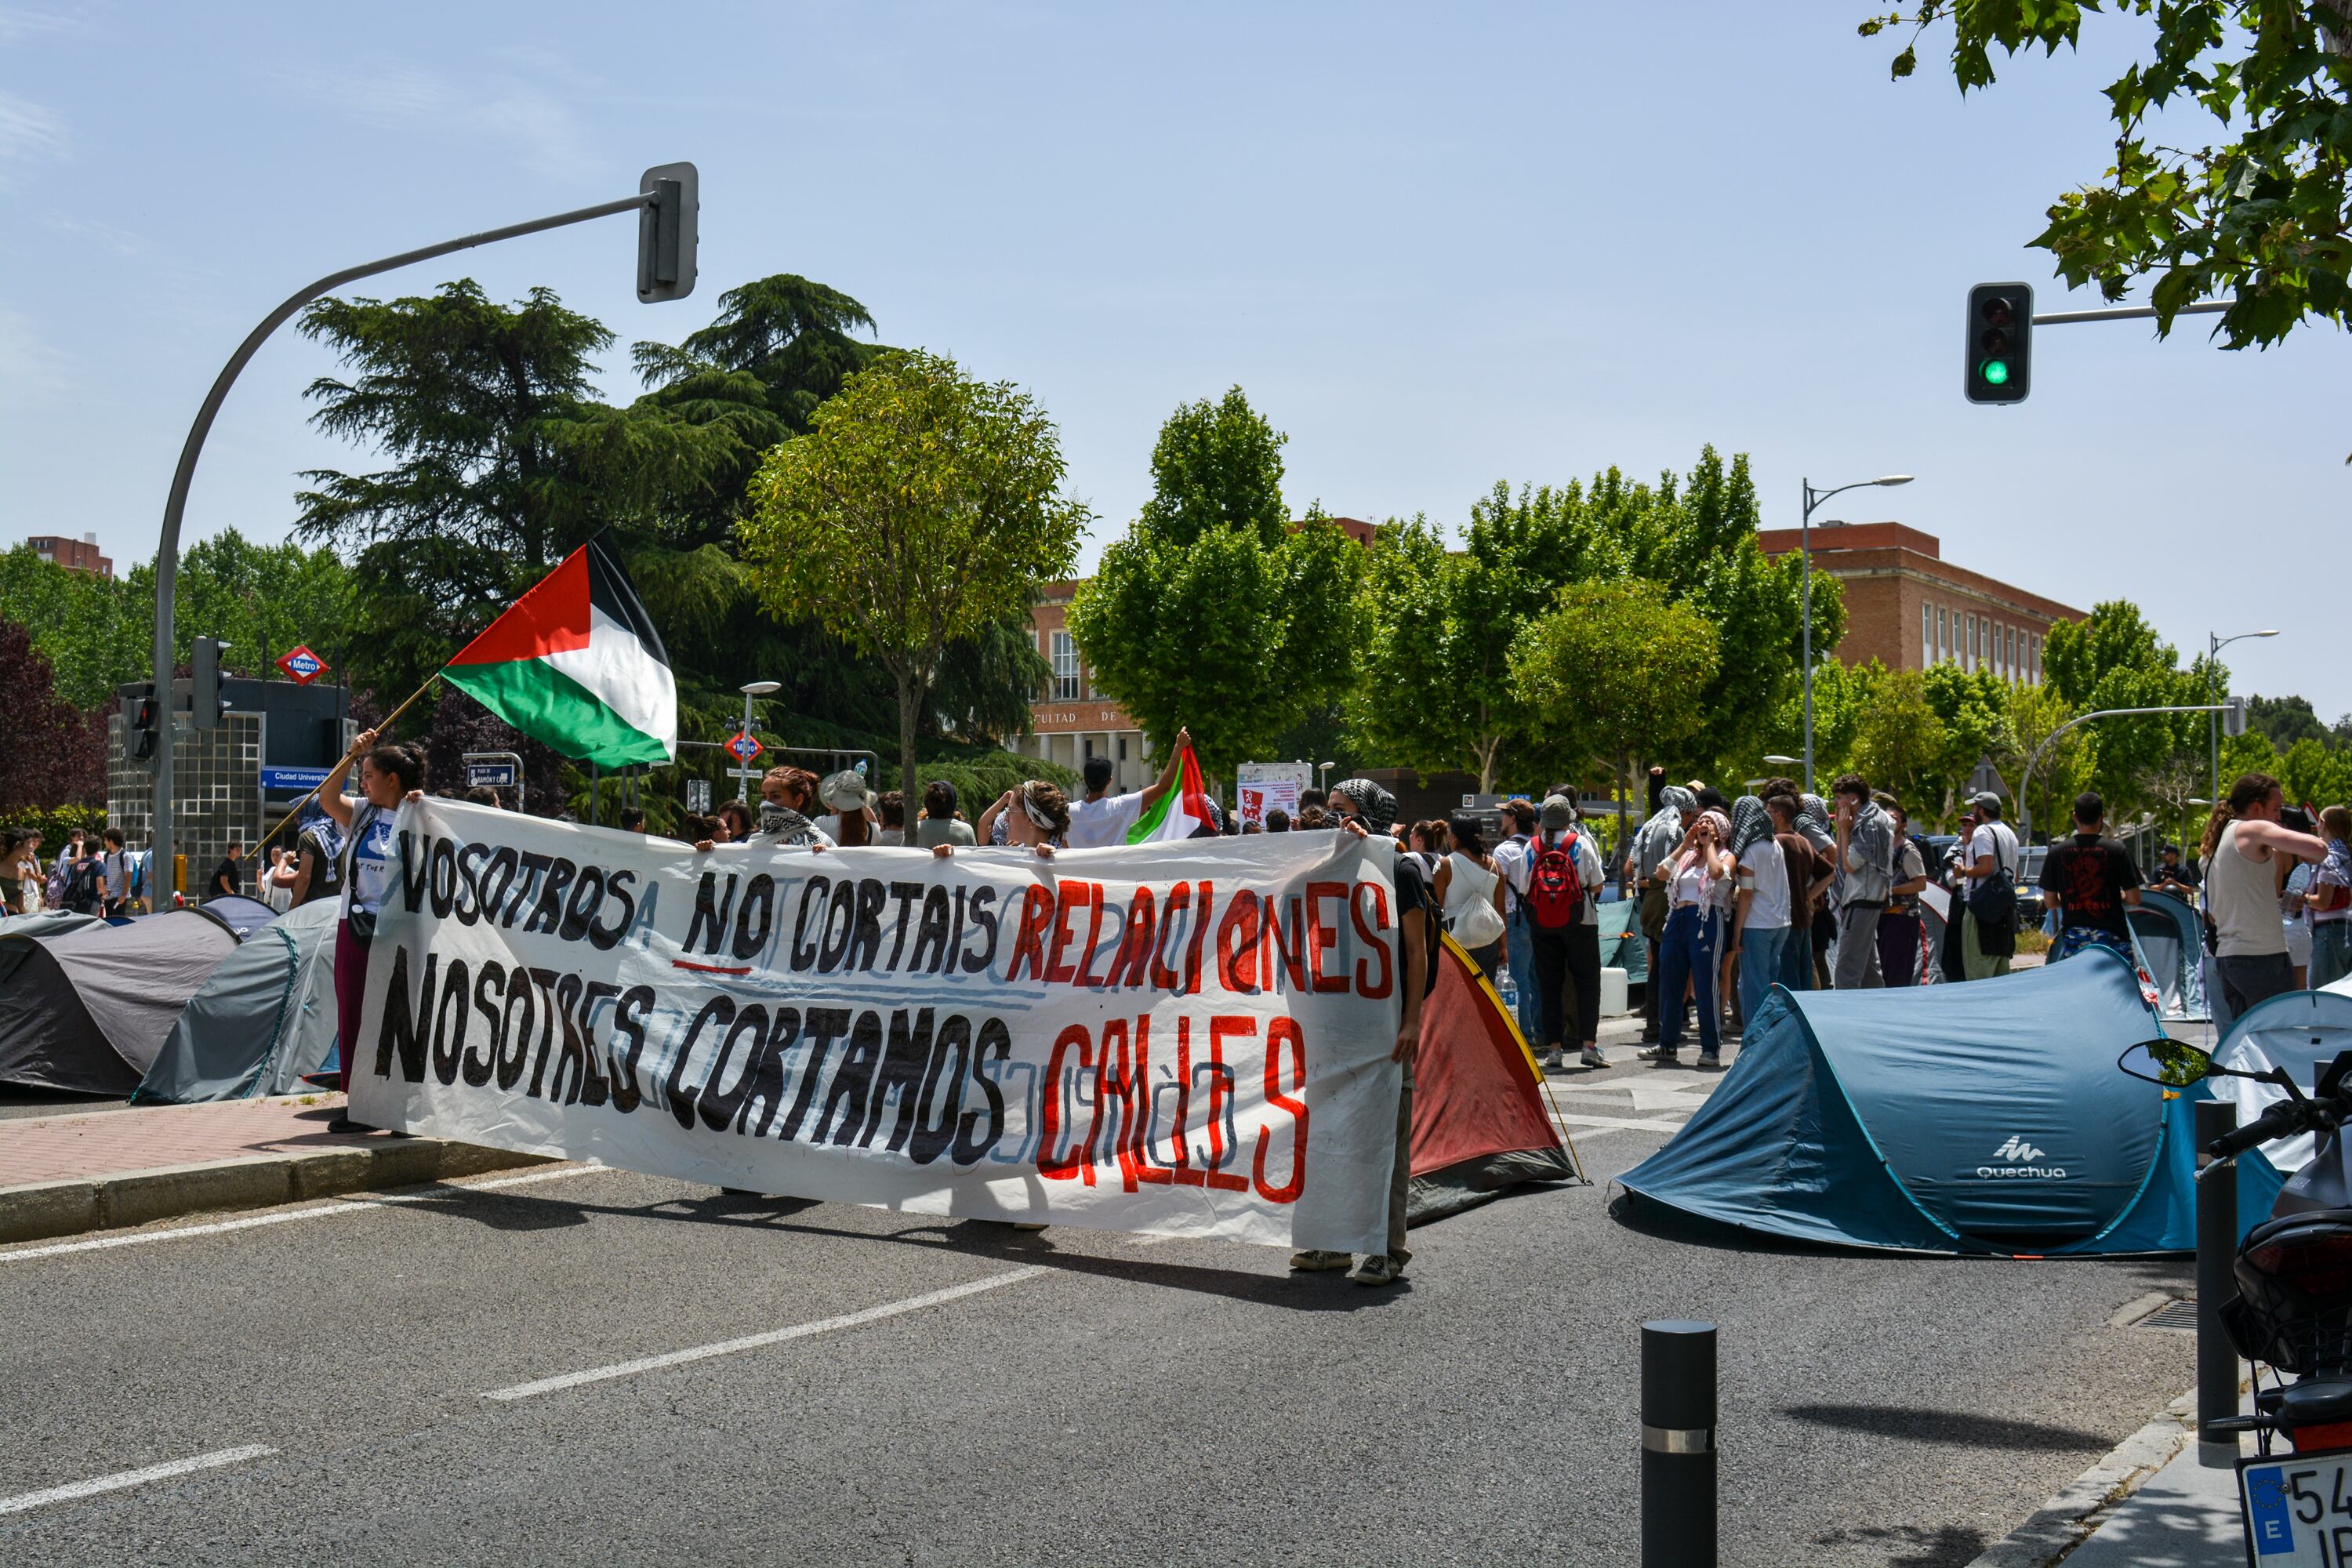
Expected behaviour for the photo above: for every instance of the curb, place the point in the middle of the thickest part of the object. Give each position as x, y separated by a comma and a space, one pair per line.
2063, 1523
41, 1210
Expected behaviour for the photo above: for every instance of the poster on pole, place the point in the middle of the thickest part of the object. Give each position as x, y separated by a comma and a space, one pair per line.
1263, 787
1188, 1038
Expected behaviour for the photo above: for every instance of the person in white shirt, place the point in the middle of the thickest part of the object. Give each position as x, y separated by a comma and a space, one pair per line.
851, 824
1759, 937
1512, 858
1102, 819
1990, 847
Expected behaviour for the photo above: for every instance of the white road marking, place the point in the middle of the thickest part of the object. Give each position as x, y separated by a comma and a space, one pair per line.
283, 1217
773, 1337
122, 1479
1570, 1118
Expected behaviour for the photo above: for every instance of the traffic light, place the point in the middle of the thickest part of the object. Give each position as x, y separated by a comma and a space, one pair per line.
1999, 364
2234, 718
139, 712
205, 703
665, 232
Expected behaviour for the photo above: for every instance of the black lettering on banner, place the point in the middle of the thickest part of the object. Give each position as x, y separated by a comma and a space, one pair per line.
501, 866
532, 864
441, 878
719, 1103
400, 1031
840, 921
812, 891
414, 855
995, 1044
819, 1027
478, 1066
468, 905
719, 1012
852, 1079
906, 893
931, 932
518, 1034
935, 1124
580, 909
569, 1086
708, 926
760, 892
549, 1008
871, 897
899, 1077
983, 917
449, 1044
763, 1080
616, 888
629, 1016
601, 1063
955, 953
547, 910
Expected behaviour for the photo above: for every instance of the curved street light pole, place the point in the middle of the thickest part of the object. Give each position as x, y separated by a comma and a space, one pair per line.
2025, 810
1814, 498
2214, 644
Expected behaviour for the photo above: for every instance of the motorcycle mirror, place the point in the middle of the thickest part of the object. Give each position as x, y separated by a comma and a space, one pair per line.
2331, 1077
2175, 1063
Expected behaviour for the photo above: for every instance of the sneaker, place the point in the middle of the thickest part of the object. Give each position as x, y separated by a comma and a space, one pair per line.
1711, 1061
346, 1124
1659, 1054
1592, 1057
1314, 1260
1028, 1225
1379, 1268
1554, 1061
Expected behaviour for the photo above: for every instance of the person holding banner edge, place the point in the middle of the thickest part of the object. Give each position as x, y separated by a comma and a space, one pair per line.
388, 775
1364, 808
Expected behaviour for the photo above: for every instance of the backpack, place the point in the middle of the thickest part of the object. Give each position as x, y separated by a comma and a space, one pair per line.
81, 887
1555, 897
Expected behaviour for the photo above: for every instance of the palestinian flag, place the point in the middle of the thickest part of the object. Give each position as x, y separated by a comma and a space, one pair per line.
577, 664
1180, 812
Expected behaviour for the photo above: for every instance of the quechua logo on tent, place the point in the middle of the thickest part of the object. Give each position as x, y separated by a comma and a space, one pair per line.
2020, 1156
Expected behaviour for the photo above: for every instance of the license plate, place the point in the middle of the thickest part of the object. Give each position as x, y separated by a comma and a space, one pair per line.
2298, 1510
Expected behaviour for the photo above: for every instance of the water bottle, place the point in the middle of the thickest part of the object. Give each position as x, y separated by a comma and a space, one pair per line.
1509, 992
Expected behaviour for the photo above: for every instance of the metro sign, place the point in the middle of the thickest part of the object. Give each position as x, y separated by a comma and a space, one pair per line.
746, 747
301, 665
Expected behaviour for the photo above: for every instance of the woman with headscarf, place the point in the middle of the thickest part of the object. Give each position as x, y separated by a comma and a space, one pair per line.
1758, 889
1693, 935
1035, 815
1362, 807
1659, 838
1813, 827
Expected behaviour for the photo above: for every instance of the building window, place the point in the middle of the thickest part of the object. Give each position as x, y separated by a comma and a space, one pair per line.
1065, 667
1926, 632
1943, 634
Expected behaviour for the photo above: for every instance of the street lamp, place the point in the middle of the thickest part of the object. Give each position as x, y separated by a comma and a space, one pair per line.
1814, 498
750, 690
2214, 644
1323, 775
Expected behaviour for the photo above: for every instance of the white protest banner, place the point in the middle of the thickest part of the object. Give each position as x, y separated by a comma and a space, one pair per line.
1262, 787
1188, 1038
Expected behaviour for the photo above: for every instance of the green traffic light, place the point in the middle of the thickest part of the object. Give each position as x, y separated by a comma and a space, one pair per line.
1995, 371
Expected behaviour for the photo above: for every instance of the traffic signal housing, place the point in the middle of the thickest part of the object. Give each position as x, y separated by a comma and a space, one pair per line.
2233, 721
666, 236
1999, 364
205, 703
140, 713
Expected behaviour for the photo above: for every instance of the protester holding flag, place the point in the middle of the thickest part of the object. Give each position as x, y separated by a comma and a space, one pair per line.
1102, 819
388, 774
1184, 811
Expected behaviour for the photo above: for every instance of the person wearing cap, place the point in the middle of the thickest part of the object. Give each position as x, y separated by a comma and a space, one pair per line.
1102, 819
1990, 847
1567, 958
2173, 876
851, 824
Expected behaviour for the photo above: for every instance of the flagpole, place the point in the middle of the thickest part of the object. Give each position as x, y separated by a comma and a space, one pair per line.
380, 725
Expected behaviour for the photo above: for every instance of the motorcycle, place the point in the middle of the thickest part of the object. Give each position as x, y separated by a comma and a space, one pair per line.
2292, 1312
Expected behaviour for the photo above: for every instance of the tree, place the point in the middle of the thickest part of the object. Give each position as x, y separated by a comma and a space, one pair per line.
2263, 213
2114, 658
1617, 668
56, 755
2309, 772
1213, 611
2286, 720
1900, 739
920, 507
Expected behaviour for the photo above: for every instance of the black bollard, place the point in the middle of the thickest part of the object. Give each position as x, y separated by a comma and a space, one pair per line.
2217, 1282
1677, 1444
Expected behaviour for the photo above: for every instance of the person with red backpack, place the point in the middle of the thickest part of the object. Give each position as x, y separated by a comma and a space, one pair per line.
1561, 871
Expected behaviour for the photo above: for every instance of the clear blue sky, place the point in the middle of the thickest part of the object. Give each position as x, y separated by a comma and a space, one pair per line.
1438, 247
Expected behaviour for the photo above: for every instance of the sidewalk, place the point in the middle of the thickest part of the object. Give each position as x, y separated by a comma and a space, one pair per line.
62, 1175
2177, 1513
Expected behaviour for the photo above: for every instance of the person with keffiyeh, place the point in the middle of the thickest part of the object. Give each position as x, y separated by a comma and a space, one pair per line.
1694, 937
1659, 838
1865, 862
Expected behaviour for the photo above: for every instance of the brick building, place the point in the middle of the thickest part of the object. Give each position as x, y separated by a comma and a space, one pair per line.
1069, 721
1907, 607
73, 554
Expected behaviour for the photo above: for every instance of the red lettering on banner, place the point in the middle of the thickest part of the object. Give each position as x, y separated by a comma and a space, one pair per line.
1180, 899
1114, 1103
1131, 967
1291, 949
1200, 939
1147, 1169
1059, 971
1279, 1032
1322, 938
1052, 1165
1036, 916
1094, 934
1237, 944
1220, 1089
1370, 934
1180, 1139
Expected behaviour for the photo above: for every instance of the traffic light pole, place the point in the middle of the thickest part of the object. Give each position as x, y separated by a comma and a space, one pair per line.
2131, 313
167, 552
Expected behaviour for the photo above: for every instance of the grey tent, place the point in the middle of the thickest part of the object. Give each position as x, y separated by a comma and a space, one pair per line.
265, 1018
86, 1010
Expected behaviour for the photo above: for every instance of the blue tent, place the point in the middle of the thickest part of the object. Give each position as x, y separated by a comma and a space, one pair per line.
1621, 944
1989, 1116
2171, 943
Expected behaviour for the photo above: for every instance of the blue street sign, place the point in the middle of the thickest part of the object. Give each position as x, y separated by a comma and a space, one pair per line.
293, 781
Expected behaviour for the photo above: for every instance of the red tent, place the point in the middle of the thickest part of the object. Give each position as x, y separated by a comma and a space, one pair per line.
1479, 1117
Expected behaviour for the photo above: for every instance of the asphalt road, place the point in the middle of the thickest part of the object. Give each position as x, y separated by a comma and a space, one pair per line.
1062, 1397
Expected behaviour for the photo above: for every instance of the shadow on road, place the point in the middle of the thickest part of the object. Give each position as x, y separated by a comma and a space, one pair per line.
1960, 1428
1916, 1546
